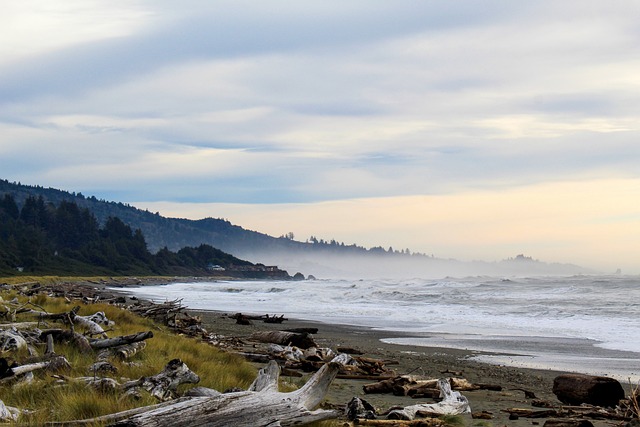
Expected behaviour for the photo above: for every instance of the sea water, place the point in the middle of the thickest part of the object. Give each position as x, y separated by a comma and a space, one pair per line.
587, 324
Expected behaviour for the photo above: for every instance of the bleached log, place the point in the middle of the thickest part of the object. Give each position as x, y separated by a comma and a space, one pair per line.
453, 403
164, 384
261, 406
11, 340
8, 413
426, 422
122, 352
91, 327
122, 340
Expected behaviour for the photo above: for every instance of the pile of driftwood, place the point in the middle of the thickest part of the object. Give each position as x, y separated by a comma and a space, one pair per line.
198, 407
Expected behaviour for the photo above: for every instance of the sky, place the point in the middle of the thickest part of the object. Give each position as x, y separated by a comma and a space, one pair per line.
469, 130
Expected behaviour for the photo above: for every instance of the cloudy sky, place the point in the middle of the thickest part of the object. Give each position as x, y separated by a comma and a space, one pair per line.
466, 129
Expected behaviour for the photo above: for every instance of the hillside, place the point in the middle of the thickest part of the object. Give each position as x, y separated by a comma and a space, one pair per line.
317, 257
40, 237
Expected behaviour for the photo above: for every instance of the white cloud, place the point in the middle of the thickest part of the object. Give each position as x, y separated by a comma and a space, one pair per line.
237, 101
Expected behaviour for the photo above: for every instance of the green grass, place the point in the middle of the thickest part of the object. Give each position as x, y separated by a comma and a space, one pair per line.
52, 400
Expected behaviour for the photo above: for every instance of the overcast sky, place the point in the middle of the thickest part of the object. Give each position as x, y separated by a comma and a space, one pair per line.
466, 129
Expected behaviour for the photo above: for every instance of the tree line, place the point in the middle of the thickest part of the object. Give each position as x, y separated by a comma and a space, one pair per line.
42, 238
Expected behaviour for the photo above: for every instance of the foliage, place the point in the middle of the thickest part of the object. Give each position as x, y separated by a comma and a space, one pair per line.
176, 233
41, 238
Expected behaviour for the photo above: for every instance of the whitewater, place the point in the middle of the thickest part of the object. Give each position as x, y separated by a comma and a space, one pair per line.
586, 324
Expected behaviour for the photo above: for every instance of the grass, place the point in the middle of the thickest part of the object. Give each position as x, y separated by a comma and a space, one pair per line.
51, 400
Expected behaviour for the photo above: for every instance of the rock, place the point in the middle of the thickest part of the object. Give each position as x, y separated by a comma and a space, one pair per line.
298, 276
576, 389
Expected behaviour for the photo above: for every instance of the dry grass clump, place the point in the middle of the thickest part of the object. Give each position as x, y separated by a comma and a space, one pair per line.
62, 399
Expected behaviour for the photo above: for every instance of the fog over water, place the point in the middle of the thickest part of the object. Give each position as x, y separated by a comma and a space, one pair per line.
584, 323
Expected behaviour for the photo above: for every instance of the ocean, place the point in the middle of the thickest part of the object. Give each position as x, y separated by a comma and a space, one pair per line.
588, 324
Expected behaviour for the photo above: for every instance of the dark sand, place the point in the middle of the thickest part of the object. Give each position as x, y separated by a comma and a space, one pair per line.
429, 362
424, 361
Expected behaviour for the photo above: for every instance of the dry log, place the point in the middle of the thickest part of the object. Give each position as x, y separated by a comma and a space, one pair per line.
576, 389
164, 384
122, 352
261, 406
8, 413
255, 357
530, 413
122, 340
452, 403
359, 409
11, 340
284, 338
427, 422
568, 423
66, 336
311, 331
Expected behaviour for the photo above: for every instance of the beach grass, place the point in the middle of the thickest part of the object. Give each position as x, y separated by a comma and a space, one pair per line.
51, 398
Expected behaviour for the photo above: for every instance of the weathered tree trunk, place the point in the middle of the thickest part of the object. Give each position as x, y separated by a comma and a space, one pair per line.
163, 385
576, 389
284, 338
568, 423
261, 405
122, 340
122, 352
61, 335
453, 403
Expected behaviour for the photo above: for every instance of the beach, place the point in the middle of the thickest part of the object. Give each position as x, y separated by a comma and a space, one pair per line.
426, 362
415, 360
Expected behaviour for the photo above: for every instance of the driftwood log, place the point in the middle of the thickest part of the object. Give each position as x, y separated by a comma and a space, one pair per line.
576, 389
163, 385
453, 403
121, 340
302, 340
261, 405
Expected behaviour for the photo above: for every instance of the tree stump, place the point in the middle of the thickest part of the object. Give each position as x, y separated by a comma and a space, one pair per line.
576, 389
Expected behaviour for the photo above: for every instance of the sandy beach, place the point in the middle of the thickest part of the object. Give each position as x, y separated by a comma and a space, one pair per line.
428, 362
424, 361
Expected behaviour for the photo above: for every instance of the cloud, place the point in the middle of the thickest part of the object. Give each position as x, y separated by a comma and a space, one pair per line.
595, 223
280, 102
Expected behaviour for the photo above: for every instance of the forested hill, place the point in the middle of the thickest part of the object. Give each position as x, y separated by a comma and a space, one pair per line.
159, 232
315, 256
176, 233
42, 238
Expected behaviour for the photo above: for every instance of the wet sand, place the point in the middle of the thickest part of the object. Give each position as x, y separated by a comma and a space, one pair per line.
429, 362
416, 360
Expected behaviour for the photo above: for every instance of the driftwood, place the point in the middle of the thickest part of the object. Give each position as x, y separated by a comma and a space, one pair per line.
452, 403
67, 336
427, 422
162, 386
8, 413
261, 405
122, 352
410, 386
568, 423
570, 412
284, 338
121, 340
575, 389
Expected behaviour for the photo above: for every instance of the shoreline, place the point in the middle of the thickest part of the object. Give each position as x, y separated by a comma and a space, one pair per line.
430, 362
433, 362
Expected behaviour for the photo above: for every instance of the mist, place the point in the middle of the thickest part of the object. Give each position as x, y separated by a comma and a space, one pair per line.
398, 266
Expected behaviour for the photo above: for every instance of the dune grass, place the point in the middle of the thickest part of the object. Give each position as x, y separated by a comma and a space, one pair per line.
52, 399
